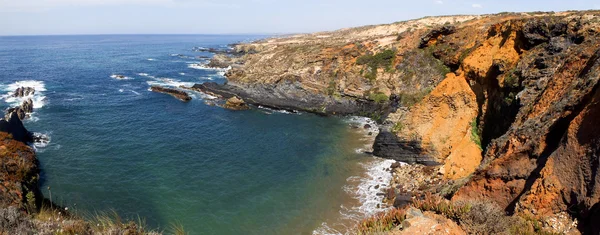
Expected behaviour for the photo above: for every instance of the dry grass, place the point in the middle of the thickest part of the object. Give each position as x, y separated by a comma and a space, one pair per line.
474, 217
442, 206
382, 222
177, 229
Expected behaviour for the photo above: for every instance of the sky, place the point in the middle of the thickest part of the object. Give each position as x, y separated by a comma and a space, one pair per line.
57, 17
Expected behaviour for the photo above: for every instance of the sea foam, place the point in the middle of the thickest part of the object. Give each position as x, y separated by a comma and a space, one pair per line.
38, 98
363, 188
169, 82
202, 66
120, 77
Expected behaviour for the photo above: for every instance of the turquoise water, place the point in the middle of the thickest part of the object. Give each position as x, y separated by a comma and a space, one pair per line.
116, 145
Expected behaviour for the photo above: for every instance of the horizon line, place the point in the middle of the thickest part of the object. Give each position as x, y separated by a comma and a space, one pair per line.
147, 34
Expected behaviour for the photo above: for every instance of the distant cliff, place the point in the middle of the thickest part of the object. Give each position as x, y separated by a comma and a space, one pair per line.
505, 104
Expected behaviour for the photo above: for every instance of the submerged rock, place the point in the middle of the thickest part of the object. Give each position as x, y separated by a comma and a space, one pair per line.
181, 95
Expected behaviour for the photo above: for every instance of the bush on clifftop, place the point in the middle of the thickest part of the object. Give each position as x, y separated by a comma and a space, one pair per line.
382, 59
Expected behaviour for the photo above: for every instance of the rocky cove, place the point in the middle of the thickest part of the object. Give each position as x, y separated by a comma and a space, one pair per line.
495, 111
499, 108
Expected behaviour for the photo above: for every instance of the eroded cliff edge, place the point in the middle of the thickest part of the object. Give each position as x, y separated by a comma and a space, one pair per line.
504, 105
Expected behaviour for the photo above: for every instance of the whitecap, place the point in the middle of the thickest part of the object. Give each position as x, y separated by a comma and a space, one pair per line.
202, 66
121, 90
73, 99
135, 92
169, 82
32, 118
151, 59
182, 74
41, 139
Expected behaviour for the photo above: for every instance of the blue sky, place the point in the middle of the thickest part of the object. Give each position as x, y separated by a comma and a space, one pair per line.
48, 17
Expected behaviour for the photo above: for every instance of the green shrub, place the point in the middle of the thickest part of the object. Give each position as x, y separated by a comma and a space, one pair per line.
410, 99
379, 97
331, 87
511, 80
398, 126
383, 59
475, 133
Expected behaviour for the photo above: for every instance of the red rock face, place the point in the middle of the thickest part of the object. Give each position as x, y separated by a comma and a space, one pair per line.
546, 159
18, 174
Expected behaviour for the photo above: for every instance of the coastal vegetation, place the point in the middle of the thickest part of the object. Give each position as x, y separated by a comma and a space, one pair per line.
473, 216
383, 59
475, 137
379, 97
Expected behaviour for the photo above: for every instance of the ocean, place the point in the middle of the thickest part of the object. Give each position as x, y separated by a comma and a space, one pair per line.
115, 145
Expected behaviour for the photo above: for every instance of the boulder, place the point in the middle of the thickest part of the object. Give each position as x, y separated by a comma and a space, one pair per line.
235, 103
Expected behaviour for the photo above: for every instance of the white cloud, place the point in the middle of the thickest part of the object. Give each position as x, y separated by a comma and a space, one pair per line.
439, 2
477, 5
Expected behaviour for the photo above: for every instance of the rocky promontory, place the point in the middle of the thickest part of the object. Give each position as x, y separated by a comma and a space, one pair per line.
291, 96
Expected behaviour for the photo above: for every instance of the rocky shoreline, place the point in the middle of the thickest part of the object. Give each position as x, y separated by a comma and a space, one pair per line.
491, 108
292, 97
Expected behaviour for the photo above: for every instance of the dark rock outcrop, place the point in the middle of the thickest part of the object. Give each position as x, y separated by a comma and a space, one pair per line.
387, 145
181, 95
12, 124
434, 34
22, 111
24, 91
291, 96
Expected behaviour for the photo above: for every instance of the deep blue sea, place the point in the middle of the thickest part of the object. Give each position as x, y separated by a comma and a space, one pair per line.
117, 146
